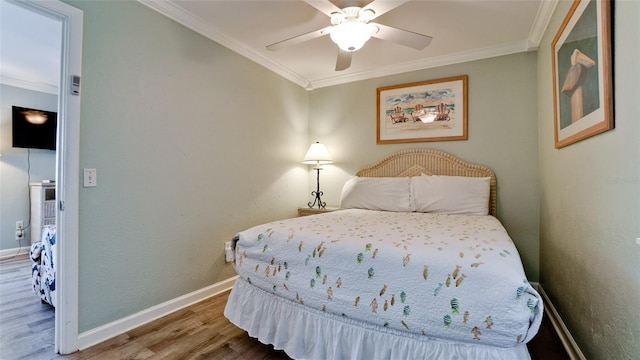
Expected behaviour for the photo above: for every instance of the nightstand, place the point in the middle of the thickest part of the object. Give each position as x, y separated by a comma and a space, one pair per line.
304, 211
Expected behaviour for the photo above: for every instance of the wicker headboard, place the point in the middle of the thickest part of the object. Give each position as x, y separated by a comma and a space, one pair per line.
415, 162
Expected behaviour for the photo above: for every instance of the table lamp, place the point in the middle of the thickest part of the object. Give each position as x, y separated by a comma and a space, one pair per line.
317, 155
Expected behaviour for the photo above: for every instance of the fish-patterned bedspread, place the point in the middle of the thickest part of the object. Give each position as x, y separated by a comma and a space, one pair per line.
450, 277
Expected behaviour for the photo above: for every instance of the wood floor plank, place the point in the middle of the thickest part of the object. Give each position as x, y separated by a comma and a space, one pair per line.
197, 332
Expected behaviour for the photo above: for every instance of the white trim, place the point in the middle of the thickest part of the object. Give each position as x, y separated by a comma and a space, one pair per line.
176, 13
29, 85
9, 253
461, 57
115, 328
68, 182
169, 9
545, 11
561, 329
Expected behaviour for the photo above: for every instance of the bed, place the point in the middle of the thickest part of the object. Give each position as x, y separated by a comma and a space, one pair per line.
414, 266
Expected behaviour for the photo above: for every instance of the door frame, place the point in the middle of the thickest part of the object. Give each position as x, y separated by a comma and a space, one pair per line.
67, 170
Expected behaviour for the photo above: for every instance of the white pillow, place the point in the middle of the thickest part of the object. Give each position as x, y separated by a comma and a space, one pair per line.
451, 194
381, 193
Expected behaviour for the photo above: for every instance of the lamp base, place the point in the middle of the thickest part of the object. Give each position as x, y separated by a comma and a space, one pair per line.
317, 200
317, 193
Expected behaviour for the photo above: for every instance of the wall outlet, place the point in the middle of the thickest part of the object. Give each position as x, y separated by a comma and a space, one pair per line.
90, 178
229, 251
19, 230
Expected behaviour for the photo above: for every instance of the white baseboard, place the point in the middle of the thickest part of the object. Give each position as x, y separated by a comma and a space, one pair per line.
107, 331
9, 253
561, 329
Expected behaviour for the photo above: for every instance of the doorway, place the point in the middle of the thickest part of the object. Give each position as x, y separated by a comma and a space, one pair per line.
67, 168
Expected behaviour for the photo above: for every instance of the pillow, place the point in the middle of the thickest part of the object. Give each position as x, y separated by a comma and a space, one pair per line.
451, 194
377, 193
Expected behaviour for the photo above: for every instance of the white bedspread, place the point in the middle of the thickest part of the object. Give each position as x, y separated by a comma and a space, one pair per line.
446, 277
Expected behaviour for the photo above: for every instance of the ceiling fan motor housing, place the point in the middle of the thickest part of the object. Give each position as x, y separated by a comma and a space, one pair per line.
352, 13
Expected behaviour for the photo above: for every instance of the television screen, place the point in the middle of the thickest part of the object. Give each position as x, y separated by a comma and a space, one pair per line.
35, 129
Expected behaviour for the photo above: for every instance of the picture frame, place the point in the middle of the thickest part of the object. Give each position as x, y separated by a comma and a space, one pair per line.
432, 110
582, 73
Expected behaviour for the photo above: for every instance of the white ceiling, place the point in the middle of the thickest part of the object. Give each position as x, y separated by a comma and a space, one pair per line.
462, 30
30, 48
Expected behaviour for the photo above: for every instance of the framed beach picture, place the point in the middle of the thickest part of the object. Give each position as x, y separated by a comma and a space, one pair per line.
582, 73
433, 110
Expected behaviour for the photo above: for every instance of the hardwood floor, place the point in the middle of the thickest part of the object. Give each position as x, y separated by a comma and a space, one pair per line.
196, 332
26, 325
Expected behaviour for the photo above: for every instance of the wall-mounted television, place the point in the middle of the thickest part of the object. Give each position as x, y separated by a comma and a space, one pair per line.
34, 129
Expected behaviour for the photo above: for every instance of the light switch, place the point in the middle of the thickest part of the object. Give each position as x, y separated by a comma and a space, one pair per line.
90, 178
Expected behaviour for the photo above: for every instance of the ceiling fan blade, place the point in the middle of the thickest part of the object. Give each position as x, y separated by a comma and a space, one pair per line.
403, 37
380, 7
324, 6
299, 39
344, 60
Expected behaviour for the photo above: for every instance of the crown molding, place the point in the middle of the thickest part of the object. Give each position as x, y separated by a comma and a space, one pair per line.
462, 57
176, 13
29, 85
541, 22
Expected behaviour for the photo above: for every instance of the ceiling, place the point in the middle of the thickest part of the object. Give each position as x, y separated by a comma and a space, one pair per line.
462, 30
30, 47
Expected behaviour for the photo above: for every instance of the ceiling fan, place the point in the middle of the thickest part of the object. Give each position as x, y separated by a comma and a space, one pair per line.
351, 28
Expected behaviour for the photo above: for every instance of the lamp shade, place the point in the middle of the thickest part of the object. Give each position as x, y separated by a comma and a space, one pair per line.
317, 154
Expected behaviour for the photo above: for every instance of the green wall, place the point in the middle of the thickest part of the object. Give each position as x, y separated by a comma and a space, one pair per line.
192, 143
590, 206
19, 166
502, 113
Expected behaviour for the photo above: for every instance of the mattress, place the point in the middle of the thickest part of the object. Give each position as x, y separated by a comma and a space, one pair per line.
450, 278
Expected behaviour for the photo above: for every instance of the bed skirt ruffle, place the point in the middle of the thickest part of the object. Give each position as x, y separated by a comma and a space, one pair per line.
306, 333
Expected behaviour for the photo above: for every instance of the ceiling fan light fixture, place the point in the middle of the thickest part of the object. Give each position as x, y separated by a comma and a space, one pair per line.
366, 14
35, 117
351, 35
